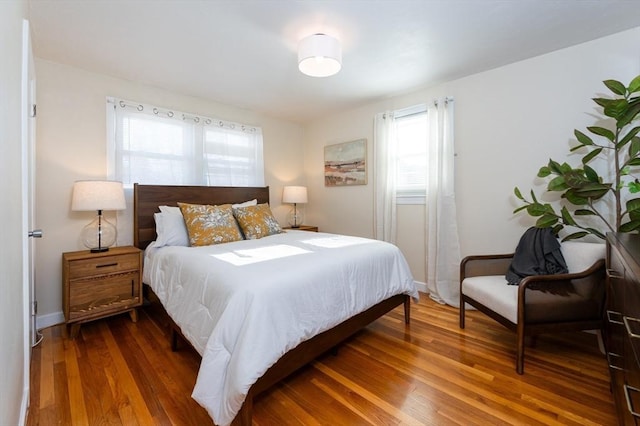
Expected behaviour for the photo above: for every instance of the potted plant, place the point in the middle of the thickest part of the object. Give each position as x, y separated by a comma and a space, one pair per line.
586, 197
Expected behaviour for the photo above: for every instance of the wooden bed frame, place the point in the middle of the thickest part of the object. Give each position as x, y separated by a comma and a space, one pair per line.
147, 198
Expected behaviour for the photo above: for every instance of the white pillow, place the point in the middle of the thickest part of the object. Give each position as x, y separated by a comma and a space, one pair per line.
170, 227
253, 202
170, 209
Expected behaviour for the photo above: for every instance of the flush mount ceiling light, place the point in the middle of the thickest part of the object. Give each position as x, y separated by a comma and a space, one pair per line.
319, 55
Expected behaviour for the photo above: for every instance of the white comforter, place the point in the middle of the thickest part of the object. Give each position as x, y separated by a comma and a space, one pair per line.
244, 304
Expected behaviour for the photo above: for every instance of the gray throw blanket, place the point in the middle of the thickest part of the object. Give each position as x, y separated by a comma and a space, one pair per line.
537, 253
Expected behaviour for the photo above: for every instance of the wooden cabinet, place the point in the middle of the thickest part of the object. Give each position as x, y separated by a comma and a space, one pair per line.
97, 285
622, 324
304, 228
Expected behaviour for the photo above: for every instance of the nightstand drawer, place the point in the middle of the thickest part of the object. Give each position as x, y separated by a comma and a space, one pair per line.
84, 268
89, 297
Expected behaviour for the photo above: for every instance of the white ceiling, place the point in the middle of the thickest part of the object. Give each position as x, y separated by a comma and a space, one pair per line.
243, 52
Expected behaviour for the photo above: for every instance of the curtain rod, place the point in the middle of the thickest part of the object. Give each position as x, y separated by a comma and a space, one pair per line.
181, 115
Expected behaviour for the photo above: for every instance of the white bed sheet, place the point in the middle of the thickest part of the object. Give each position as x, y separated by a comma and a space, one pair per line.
242, 305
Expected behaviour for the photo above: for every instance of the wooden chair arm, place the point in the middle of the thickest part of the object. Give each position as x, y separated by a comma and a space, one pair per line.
486, 264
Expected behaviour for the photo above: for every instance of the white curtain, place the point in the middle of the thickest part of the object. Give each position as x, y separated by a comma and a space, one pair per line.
384, 158
443, 247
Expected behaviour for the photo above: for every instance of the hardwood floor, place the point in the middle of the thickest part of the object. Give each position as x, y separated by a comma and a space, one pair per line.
430, 373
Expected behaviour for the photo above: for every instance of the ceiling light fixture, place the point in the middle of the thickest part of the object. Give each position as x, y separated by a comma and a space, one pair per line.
319, 55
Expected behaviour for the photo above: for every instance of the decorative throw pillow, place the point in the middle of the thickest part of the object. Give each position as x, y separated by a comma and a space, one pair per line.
257, 221
207, 225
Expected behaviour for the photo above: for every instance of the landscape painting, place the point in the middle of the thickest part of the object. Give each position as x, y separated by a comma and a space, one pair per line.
345, 163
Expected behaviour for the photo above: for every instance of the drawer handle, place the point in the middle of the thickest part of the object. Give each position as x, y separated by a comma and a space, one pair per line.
610, 357
611, 314
628, 388
106, 265
628, 327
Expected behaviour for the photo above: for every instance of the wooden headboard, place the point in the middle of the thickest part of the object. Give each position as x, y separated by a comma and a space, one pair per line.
147, 198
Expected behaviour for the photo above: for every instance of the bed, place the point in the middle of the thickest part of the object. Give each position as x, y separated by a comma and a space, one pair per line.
220, 297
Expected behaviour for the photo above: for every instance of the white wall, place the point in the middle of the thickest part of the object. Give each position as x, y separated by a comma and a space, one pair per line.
71, 145
508, 122
12, 331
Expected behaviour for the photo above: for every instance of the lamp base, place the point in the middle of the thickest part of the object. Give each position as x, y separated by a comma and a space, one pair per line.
99, 235
99, 249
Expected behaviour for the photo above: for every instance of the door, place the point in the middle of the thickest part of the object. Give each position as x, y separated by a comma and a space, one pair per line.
28, 183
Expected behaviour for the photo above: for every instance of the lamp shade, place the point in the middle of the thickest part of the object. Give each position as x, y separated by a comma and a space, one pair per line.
294, 194
97, 195
319, 55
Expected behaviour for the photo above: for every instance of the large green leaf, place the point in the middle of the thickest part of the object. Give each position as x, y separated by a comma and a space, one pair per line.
544, 172
591, 174
616, 108
546, 221
575, 236
634, 147
557, 184
519, 209
590, 156
584, 212
593, 190
518, 194
574, 198
582, 138
616, 87
557, 228
630, 226
634, 187
601, 131
630, 114
566, 217
536, 209
634, 162
575, 179
628, 137
596, 232
555, 167
603, 102
633, 205
634, 86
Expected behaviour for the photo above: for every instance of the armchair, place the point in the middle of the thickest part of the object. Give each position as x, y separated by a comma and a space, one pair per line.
541, 303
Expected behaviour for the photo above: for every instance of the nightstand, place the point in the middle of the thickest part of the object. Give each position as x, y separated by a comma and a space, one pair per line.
304, 228
98, 285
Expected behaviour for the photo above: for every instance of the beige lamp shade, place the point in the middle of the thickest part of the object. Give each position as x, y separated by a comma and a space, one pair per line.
294, 194
97, 195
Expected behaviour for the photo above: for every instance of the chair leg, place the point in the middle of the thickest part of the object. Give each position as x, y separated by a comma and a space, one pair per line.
461, 312
520, 349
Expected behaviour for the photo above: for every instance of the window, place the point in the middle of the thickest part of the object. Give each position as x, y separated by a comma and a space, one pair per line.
411, 154
152, 145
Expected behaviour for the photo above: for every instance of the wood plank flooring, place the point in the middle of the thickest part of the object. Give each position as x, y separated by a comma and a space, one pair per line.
430, 373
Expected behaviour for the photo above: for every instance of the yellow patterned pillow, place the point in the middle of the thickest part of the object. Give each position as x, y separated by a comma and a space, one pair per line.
257, 221
207, 225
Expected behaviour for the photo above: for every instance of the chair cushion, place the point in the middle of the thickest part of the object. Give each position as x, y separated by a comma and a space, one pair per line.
580, 255
494, 293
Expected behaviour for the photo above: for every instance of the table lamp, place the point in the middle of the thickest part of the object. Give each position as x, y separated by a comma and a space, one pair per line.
98, 195
295, 195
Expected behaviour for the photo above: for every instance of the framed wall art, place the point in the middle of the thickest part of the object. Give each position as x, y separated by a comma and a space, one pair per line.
345, 163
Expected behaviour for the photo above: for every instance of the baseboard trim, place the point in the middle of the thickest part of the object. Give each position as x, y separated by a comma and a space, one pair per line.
47, 320
422, 287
